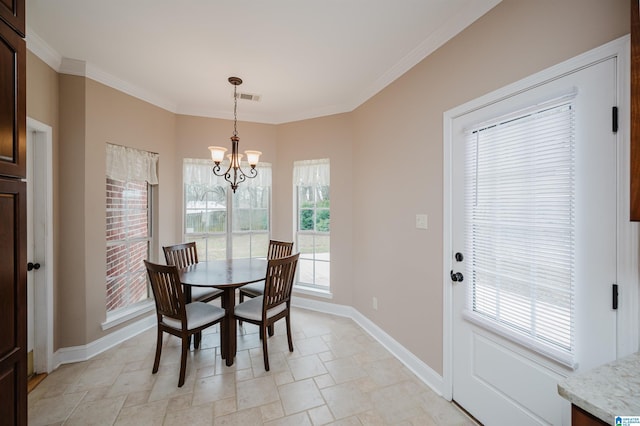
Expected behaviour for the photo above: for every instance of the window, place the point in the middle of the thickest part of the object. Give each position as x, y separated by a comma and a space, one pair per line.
520, 233
312, 185
223, 224
128, 233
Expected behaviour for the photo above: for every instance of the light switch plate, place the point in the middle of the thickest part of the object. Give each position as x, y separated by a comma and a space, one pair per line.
422, 221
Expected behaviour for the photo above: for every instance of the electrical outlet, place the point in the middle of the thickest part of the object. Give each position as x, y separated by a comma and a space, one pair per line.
375, 303
422, 221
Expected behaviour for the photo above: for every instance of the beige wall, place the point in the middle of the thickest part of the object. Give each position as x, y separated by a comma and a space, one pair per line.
327, 137
386, 165
71, 311
401, 128
114, 117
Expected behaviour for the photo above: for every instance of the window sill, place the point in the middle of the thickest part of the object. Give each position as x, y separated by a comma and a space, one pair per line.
126, 314
312, 291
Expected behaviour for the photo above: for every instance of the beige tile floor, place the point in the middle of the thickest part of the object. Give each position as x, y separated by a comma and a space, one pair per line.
337, 375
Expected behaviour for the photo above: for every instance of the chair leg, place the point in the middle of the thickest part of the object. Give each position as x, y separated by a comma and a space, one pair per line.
270, 328
196, 340
241, 300
288, 320
265, 353
183, 360
156, 362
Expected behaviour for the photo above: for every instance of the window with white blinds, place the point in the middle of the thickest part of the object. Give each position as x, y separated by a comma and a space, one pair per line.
519, 192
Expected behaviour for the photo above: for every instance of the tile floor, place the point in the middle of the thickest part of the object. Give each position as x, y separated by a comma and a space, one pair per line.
337, 375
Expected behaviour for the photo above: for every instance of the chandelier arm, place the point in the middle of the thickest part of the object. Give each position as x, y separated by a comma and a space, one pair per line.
252, 173
238, 178
217, 170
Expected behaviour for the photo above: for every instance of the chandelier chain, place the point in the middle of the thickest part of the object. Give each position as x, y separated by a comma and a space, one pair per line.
235, 110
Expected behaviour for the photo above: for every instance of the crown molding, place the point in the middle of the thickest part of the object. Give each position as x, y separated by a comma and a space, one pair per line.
42, 50
466, 16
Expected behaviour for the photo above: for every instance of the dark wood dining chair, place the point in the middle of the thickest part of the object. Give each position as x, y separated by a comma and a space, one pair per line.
183, 255
274, 304
276, 250
174, 315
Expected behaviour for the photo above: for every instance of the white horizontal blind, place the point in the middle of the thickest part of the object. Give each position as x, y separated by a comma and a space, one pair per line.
520, 227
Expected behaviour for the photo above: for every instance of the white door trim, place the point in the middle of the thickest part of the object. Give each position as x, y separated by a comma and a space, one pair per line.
627, 268
43, 294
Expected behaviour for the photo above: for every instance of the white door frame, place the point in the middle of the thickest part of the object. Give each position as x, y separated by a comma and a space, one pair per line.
627, 256
42, 143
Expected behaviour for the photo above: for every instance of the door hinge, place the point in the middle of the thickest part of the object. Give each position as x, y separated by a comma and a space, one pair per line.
614, 119
614, 296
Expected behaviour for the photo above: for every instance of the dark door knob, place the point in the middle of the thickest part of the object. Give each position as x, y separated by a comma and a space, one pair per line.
457, 276
31, 266
459, 257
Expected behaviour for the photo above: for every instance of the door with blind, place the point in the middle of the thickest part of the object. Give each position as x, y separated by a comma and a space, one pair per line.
534, 245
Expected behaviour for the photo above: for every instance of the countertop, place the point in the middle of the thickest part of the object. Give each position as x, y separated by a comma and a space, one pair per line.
609, 390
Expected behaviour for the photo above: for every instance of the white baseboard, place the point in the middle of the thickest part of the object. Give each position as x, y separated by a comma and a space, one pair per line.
415, 365
420, 369
88, 351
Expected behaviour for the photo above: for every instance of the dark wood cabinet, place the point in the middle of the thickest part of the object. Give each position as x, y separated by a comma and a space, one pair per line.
579, 417
12, 103
13, 215
13, 303
12, 12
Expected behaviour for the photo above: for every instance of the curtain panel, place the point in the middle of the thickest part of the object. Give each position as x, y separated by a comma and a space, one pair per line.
130, 164
311, 172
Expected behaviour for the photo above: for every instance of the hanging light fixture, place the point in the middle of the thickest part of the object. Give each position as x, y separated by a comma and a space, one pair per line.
234, 174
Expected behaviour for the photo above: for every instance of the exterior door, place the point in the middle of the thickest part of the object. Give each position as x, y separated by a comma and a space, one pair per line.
512, 343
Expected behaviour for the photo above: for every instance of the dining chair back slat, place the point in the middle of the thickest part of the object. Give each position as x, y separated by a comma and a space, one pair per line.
279, 281
167, 290
181, 255
278, 249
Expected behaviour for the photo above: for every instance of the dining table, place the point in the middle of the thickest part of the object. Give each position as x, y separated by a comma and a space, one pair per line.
226, 275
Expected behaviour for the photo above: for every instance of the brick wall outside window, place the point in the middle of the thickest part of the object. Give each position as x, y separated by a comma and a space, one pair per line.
128, 237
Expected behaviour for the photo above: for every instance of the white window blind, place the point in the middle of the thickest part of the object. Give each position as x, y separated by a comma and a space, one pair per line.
520, 227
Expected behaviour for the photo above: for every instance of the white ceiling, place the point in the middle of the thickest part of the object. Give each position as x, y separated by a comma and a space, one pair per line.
305, 58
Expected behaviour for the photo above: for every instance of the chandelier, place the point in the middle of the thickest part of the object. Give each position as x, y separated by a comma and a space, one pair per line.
234, 173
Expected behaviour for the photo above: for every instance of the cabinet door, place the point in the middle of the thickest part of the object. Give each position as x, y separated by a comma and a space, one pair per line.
13, 303
13, 13
13, 110
579, 417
